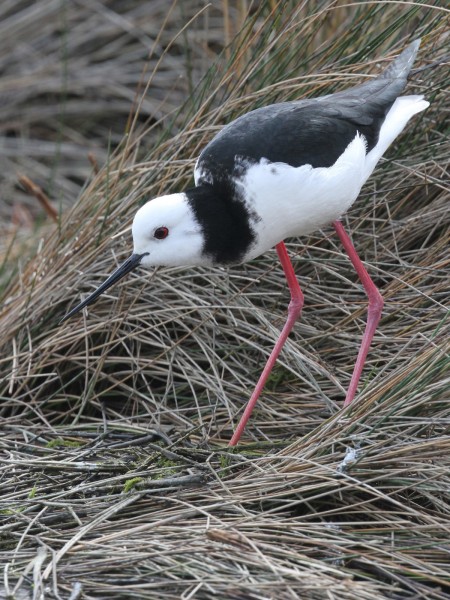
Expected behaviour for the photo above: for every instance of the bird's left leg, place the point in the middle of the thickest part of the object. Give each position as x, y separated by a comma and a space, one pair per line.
294, 310
373, 313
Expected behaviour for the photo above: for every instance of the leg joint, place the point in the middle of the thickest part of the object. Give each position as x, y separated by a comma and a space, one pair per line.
376, 302
295, 306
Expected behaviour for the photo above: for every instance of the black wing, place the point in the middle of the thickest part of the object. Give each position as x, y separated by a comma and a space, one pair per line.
314, 132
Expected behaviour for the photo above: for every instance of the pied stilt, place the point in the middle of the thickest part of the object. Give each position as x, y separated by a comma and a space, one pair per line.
280, 171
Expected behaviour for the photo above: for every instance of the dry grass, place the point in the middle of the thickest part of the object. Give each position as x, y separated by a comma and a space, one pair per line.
116, 479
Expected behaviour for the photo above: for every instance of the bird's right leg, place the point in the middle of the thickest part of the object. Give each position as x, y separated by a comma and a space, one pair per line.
294, 310
373, 313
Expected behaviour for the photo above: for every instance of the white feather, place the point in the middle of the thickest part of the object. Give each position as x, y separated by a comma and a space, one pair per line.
401, 111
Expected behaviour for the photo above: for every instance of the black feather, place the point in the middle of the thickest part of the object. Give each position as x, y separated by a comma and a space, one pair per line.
225, 220
314, 132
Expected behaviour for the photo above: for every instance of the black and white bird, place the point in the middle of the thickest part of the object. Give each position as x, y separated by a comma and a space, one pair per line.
280, 171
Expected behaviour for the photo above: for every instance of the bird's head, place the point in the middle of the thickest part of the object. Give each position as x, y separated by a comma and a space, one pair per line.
165, 233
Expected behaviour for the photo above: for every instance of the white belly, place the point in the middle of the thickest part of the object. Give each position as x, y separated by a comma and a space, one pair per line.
287, 201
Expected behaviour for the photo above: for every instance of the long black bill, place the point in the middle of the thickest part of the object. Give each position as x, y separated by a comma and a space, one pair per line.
131, 263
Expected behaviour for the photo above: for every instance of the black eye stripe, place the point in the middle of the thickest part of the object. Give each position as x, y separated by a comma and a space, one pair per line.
161, 233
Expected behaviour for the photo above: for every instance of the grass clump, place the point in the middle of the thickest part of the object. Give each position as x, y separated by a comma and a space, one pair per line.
141, 395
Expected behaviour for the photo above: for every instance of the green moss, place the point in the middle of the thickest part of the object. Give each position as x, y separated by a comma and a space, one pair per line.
62, 443
277, 377
130, 483
225, 461
12, 511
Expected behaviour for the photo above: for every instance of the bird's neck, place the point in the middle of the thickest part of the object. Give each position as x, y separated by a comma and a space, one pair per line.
226, 223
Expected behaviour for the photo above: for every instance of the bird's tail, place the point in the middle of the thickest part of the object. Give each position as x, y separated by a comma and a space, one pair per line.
400, 113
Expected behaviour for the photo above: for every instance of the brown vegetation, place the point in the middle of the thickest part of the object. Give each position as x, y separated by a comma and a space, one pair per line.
116, 479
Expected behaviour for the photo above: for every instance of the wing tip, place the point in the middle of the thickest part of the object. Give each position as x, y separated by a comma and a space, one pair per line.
402, 65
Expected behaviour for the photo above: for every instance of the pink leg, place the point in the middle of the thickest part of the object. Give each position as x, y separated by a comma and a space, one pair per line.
294, 310
373, 312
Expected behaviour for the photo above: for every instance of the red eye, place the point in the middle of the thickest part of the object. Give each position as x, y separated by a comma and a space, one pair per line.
161, 233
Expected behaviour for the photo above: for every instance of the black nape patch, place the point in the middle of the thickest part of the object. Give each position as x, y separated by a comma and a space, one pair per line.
225, 221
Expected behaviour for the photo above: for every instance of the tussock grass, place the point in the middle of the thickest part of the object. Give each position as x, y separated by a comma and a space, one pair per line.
116, 478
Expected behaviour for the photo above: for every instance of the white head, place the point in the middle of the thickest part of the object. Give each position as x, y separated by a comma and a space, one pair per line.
166, 232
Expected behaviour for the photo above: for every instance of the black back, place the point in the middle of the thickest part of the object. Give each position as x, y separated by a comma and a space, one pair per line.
314, 132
